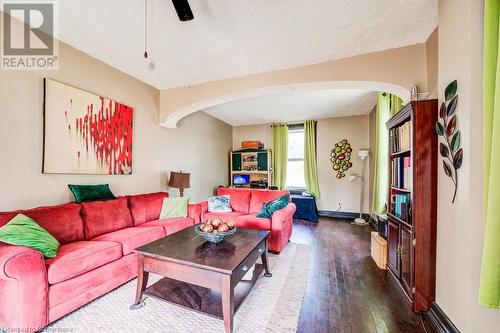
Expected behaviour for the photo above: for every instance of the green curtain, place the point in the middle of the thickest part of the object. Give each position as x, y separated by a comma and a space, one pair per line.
489, 288
396, 104
280, 154
310, 161
380, 179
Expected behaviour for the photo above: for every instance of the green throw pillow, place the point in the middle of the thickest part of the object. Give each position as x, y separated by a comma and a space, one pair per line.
85, 193
268, 208
174, 207
22, 230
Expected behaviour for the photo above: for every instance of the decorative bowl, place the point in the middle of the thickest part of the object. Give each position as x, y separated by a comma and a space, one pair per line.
211, 237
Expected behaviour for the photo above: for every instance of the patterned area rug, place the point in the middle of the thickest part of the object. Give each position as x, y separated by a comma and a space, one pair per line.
273, 305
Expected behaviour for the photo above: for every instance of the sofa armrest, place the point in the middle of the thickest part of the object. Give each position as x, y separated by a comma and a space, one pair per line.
23, 288
281, 216
203, 208
194, 212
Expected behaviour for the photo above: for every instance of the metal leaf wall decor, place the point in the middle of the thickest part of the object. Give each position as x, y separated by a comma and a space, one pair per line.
446, 127
341, 157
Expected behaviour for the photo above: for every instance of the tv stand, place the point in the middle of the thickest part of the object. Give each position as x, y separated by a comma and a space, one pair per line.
252, 163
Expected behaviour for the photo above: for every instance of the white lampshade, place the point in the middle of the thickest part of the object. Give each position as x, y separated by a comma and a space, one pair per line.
352, 177
363, 153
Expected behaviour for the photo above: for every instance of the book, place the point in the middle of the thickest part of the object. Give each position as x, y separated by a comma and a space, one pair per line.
401, 173
400, 138
407, 173
401, 206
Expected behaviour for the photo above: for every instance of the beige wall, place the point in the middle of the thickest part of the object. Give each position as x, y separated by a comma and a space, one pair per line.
402, 67
459, 238
334, 191
431, 48
199, 145
260, 133
330, 131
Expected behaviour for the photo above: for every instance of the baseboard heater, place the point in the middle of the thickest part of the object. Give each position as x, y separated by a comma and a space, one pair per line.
341, 215
442, 323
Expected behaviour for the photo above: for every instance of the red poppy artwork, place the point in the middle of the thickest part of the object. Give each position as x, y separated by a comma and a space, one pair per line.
85, 133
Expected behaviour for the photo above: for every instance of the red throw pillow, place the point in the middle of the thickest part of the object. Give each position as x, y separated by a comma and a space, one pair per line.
62, 221
101, 217
146, 207
239, 198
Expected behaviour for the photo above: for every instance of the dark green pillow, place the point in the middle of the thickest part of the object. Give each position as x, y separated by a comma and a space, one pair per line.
83, 193
23, 231
270, 207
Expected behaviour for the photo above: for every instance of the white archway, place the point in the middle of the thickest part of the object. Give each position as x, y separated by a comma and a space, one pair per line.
172, 120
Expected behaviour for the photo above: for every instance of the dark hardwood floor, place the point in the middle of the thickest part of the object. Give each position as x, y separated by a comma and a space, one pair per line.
346, 291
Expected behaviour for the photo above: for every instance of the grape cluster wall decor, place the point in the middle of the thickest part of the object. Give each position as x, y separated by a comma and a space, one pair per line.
341, 157
450, 149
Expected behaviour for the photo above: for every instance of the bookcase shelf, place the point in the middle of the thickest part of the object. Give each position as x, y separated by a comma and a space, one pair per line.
393, 217
411, 212
398, 189
401, 153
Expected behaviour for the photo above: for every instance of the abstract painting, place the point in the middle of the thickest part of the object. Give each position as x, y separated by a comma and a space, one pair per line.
85, 133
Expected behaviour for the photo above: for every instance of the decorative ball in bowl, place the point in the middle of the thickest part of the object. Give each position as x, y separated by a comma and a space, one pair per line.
215, 230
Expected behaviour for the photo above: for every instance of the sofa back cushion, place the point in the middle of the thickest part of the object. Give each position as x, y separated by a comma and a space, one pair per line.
259, 197
101, 217
146, 207
62, 221
239, 198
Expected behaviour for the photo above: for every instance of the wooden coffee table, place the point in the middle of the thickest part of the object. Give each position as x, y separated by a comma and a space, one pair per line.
202, 276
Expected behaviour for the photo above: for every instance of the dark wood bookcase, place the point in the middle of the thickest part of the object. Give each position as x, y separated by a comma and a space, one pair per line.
412, 206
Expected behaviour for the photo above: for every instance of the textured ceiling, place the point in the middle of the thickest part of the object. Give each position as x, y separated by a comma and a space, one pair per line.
230, 38
295, 106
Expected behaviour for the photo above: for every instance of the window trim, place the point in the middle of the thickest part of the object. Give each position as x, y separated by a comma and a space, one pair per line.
296, 128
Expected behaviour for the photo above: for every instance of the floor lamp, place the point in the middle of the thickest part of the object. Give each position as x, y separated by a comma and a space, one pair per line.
362, 154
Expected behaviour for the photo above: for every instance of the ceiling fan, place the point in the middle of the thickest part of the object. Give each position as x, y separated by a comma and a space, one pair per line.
183, 10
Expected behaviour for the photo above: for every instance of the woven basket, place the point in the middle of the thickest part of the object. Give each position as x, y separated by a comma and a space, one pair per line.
211, 237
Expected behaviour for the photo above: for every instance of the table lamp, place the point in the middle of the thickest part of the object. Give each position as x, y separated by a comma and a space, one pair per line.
179, 180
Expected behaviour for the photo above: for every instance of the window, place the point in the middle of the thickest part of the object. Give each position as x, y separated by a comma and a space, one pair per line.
295, 165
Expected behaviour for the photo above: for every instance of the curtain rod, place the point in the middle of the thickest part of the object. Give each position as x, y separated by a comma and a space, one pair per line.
291, 125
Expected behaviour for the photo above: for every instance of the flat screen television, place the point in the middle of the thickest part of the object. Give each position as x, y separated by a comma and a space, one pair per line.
241, 180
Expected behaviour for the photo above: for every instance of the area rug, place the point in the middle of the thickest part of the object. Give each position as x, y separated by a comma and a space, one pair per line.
273, 305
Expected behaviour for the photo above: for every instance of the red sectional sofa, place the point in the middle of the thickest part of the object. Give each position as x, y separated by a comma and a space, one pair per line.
246, 204
97, 240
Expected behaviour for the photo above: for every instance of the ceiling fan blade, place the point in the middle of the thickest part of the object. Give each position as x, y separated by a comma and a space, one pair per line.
183, 10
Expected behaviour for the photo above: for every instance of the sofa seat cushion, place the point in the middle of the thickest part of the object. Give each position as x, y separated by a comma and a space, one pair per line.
252, 221
62, 221
102, 217
259, 197
146, 207
79, 257
71, 294
171, 226
230, 216
239, 198
132, 238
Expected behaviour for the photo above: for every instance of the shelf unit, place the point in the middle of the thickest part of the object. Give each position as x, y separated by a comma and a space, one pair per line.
412, 241
252, 162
